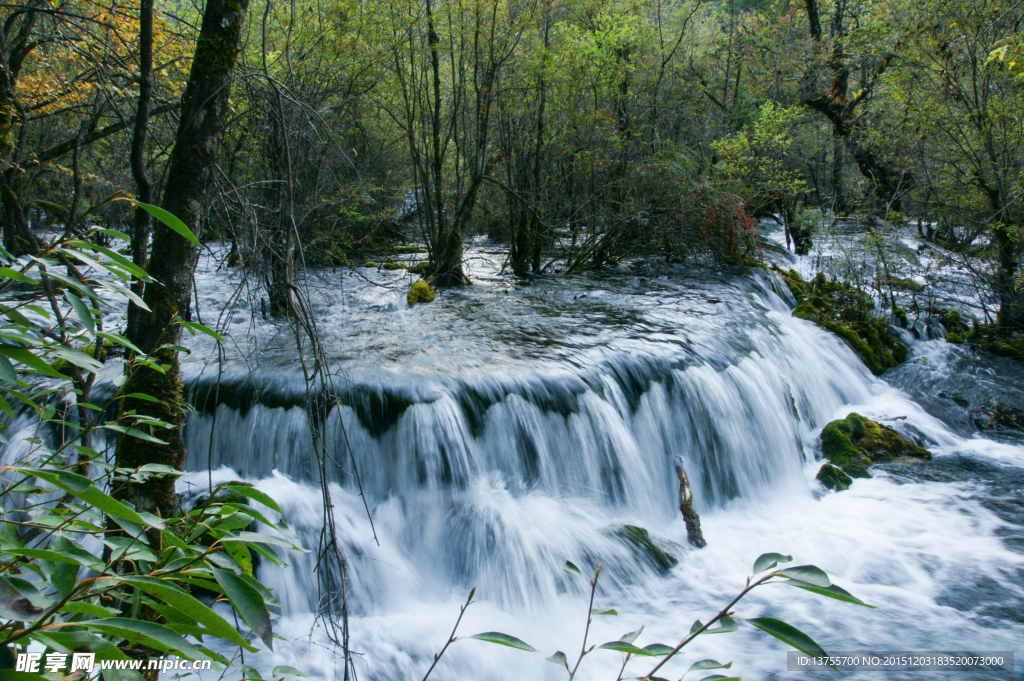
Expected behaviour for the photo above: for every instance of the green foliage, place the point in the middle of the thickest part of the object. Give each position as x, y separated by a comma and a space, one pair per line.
805, 577
81, 569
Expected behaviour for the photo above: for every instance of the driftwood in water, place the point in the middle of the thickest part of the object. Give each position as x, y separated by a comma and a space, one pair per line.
693, 532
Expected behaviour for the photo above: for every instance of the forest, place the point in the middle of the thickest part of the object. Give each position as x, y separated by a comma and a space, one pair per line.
439, 296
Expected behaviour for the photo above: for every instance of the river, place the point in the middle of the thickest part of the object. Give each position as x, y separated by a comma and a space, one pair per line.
509, 427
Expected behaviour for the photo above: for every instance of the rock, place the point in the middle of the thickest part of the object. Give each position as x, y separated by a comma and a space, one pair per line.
369, 263
834, 478
392, 265
846, 311
421, 268
420, 292
639, 540
854, 443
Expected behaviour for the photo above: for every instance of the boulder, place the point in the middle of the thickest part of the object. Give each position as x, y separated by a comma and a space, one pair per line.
420, 292
854, 443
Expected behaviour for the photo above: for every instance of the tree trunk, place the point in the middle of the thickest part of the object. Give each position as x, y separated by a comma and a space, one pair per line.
204, 111
140, 237
1011, 298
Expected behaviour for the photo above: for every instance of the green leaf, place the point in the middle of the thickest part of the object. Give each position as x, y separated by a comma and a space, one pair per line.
658, 649
30, 360
707, 664
170, 220
251, 673
255, 495
284, 670
719, 677
726, 625
697, 625
120, 340
249, 604
86, 608
623, 647
83, 488
808, 573
559, 659
7, 372
256, 538
789, 634
82, 311
134, 432
572, 569
632, 636
193, 327
188, 605
504, 640
834, 591
147, 633
766, 561
8, 273
595, 611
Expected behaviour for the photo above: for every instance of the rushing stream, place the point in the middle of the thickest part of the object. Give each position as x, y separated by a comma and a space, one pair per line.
507, 428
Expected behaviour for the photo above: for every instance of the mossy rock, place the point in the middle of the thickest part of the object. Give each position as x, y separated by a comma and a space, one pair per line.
421, 268
902, 284
997, 341
854, 443
403, 248
420, 292
391, 265
846, 311
833, 477
369, 263
639, 540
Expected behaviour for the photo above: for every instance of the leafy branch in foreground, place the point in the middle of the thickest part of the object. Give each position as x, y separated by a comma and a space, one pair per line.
806, 577
82, 569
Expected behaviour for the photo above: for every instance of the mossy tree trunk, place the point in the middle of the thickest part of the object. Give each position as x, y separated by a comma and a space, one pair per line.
832, 98
204, 111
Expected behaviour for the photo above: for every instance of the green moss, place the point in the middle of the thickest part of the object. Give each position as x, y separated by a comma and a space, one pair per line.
392, 265
421, 268
410, 249
639, 540
369, 263
854, 443
834, 478
997, 341
420, 292
906, 284
954, 338
846, 311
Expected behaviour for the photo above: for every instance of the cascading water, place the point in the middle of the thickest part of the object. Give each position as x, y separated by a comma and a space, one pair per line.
499, 433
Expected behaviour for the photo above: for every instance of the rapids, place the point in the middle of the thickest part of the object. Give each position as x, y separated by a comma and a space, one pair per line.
507, 428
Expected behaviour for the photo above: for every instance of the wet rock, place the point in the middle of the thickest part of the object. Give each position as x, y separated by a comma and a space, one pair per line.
995, 415
998, 341
847, 312
420, 292
639, 540
854, 443
833, 477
